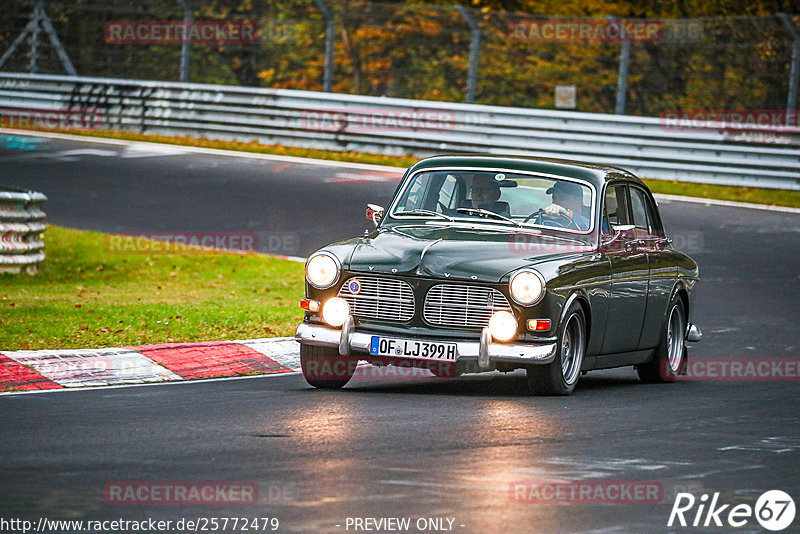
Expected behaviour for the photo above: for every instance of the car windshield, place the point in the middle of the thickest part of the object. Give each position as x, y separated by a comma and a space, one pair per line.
497, 197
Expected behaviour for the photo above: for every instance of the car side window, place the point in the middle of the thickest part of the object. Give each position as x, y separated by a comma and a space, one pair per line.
638, 210
644, 213
614, 208
448, 194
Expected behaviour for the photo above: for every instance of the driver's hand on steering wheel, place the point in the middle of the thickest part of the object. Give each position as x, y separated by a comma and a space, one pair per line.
555, 209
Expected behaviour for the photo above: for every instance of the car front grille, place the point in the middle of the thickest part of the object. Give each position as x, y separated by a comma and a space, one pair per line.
379, 298
466, 306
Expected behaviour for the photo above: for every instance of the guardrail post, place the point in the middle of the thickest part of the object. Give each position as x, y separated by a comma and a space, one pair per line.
186, 45
21, 227
474, 50
330, 28
794, 73
622, 76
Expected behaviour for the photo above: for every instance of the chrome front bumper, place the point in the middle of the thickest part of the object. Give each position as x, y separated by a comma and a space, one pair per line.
485, 352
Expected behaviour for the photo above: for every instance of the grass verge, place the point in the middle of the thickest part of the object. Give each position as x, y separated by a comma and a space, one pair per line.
88, 296
773, 197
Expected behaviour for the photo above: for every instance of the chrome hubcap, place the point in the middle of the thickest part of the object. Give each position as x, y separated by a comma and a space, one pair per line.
572, 344
675, 332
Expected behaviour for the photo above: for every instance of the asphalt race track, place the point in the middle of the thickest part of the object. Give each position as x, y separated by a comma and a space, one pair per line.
455, 452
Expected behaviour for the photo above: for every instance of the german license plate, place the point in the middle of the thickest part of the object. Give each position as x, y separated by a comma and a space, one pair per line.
409, 348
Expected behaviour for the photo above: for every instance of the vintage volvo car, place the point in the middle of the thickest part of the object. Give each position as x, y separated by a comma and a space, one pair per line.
500, 263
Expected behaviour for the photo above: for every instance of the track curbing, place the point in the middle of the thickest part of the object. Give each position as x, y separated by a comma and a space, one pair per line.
27, 370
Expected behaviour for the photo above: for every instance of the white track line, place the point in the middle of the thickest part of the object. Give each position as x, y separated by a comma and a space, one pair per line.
203, 150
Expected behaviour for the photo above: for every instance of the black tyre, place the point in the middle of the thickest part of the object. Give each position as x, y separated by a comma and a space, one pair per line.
671, 351
560, 376
323, 367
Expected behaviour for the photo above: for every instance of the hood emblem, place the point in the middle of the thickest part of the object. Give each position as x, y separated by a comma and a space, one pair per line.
354, 286
447, 275
371, 267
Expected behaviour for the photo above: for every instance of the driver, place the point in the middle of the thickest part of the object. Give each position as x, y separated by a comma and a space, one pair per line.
485, 194
568, 201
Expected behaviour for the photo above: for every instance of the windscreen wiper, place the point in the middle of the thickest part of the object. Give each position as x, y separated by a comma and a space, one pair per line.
423, 212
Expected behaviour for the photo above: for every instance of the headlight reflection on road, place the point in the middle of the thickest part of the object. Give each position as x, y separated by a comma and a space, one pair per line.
507, 431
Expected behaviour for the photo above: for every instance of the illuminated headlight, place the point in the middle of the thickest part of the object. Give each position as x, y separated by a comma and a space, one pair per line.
527, 287
503, 326
322, 271
335, 311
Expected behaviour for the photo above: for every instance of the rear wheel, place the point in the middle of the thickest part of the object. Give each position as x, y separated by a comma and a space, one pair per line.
560, 376
671, 351
323, 367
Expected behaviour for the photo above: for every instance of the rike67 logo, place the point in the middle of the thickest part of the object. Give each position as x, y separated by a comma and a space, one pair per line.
774, 510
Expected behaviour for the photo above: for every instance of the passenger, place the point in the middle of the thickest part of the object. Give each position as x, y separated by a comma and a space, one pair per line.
485, 194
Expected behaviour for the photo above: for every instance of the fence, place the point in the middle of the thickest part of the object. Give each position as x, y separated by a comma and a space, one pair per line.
21, 227
441, 53
721, 151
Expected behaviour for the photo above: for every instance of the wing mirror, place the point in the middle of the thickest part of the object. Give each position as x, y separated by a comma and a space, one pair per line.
375, 213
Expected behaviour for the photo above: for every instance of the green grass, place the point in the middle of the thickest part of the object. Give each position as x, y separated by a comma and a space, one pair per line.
755, 195
775, 197
88, 296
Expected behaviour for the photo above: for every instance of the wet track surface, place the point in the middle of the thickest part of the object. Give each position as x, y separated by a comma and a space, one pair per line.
414, 447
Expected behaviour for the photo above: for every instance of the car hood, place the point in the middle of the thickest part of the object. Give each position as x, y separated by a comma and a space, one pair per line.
470, 253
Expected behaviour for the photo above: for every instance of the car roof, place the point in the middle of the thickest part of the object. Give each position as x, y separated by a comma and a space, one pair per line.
596, 174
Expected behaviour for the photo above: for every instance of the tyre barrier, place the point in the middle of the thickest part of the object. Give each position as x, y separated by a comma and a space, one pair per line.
22, 223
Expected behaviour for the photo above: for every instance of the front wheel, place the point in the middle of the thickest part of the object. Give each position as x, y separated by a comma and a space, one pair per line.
560, 376
323, 367
671, 352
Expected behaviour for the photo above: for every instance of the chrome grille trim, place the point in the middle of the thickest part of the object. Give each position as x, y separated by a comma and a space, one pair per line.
465, 306
380, 298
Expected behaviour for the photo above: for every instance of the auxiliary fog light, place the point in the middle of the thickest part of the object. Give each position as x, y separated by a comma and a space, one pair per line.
335, 311
503, 326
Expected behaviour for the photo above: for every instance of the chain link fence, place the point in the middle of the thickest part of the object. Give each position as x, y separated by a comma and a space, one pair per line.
443, 53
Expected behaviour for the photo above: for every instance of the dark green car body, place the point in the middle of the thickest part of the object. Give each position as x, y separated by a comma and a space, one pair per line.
622, 278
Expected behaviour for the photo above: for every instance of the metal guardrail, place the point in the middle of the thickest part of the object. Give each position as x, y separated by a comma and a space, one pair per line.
21, 227
729, 154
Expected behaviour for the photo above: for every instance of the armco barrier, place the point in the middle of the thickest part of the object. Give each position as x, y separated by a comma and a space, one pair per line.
732, 154
21, 227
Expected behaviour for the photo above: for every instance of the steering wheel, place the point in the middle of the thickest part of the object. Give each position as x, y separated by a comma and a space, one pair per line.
559, 219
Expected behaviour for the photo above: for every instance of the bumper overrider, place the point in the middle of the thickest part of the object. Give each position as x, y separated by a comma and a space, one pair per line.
485, 353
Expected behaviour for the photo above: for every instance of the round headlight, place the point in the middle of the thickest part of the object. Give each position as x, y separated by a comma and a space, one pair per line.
322, 271
527, 287
335, 311
503, 326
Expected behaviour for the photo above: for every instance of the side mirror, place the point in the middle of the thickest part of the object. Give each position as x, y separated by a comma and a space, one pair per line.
375, 213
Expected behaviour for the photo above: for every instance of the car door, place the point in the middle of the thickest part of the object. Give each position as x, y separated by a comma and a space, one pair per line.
629, 277
663, 269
